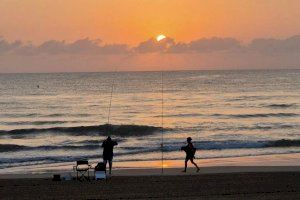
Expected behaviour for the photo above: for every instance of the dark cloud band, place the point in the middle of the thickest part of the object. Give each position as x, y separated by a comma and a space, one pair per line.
96, 47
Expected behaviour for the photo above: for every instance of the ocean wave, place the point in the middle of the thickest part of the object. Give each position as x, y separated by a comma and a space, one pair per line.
12, 147
28, 162
55, 115
238, 144
259, 115
95, 152
281, 105
255, 98
283, 143
46, 122
22, 115
35, 122
249, 98
168, 146
82, 145
43, 159
18, 115
182, 115
253, 127
25, 162
106, 129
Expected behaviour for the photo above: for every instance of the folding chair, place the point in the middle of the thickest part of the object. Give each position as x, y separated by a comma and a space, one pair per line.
82, 168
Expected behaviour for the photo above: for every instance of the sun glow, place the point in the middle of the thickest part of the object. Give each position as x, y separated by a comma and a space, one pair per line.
160, 37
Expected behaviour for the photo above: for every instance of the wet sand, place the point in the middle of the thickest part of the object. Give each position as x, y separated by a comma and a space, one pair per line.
281, 162
242, 185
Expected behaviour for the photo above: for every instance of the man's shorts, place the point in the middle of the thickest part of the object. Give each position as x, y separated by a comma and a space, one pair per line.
109, 159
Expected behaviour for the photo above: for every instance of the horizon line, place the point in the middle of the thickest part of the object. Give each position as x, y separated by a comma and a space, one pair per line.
158, 71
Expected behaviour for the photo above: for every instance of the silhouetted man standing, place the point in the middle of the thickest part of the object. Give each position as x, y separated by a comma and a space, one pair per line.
108, 154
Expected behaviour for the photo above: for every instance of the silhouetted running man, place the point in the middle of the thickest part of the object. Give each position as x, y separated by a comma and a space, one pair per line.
108, 151
190, 151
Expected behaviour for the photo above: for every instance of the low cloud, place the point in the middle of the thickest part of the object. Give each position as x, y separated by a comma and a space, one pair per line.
95, 55
6, 46
152, 45
202, 45
217, 44
289, 45
168, 45
214, 44
54, 47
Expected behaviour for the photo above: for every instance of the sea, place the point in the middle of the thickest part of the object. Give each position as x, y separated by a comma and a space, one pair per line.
64, 117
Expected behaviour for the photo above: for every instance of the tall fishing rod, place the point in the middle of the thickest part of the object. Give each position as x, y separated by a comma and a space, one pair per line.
162, 121
111, 93
110, 100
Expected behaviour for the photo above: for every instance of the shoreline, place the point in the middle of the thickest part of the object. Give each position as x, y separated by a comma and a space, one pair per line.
266, 163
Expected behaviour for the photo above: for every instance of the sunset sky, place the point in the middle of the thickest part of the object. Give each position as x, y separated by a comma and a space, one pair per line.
98, 35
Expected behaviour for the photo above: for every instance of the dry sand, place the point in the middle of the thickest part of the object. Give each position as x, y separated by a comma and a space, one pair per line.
247, 185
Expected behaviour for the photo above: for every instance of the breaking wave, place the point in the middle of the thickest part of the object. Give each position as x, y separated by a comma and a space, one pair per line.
262, 115
281, 105
202, 145
258, 115
106, 129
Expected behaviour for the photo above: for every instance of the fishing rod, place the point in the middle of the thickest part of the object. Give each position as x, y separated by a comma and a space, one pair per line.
162, 121
110, 100
111, 93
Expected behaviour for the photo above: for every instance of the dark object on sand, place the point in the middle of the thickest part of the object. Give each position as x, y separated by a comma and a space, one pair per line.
100, 171
82, 168
56, 177
100, 167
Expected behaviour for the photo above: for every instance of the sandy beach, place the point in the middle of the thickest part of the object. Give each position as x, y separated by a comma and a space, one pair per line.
256, 177
250, 185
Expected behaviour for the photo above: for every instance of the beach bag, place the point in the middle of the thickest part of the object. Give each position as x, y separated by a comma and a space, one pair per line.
189, 152
56, 177
100, 167
194, 151
186, 149
100, 171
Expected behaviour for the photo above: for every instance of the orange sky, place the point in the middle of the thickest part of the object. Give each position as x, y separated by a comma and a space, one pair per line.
133, 21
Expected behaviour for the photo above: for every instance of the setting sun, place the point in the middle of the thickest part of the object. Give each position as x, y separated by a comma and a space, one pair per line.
160, 37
